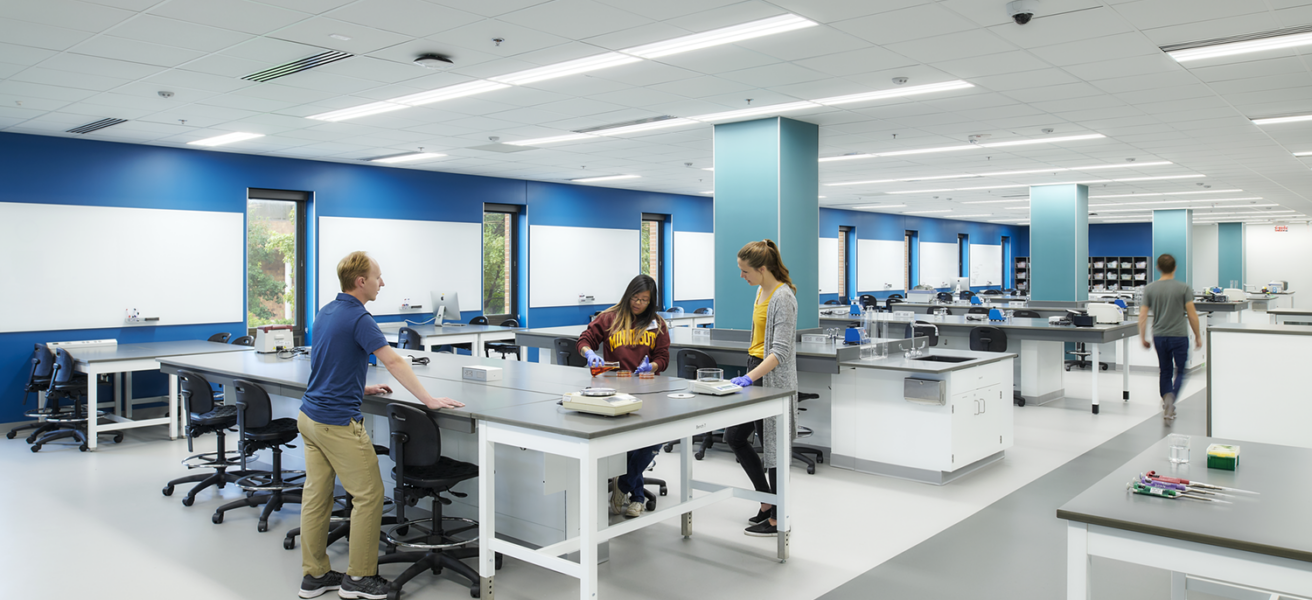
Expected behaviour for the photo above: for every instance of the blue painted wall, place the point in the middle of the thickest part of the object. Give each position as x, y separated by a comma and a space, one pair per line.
1121, 239
51, 170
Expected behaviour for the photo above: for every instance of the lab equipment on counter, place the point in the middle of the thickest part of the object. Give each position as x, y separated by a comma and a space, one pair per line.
996, 314
1196, 483
1278, 287
1105, 313
713, 383
601, 401
272, 338
1170, 494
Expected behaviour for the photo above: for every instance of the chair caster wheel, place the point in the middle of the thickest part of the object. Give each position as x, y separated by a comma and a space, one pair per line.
810, 470
651, 505
36, 447
473, 592
665, 491
31, 438
188, 501
699, 455
11, 435
289, 544
819, 460
217, 518
260, 527
118, 438
668, 447
1104, 367
1068, 367
167, 491
82, 448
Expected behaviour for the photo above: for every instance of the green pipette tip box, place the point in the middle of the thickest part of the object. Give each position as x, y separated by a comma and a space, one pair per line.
1223, 456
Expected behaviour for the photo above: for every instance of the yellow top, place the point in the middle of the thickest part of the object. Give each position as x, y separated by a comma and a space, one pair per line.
758, 324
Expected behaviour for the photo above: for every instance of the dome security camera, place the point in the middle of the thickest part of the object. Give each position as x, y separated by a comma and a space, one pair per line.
433, 61
1022, 11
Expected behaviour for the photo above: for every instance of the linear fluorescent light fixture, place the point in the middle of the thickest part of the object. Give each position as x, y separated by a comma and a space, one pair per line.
967, 216
1001, 174
646, 126
449, 92
605, 178
1195, 176
364, 110
946, 86
880, 206
551, 140
1156, 202
1069, 138
1275, 40
226, 138
1278, 120
752, 112
1230, 191
921, 191
570, 67
925, 212
411, 157
1009, 220
718, 37
998, 201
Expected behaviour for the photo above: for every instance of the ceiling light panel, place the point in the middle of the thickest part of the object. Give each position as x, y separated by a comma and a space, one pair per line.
552, 140
1279, 120
354, 112
401, 158
605, 178
449, 92
896, 93
572, 67
1266, 44
225, 139
718, 37
752, 112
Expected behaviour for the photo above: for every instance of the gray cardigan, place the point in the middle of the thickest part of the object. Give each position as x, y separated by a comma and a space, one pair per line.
780, 337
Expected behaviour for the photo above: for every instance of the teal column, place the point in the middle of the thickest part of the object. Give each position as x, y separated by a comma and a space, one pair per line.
767, 181
1059, 242
1230, 254
1173, 234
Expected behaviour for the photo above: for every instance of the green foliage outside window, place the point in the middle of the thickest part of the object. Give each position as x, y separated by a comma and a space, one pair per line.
266, 250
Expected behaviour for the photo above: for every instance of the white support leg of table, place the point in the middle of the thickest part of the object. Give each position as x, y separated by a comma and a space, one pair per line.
118, 398
784, 459
685, 482
1179, 586
1093, 374
1125, 369
588, 529
92, 405
1077, 561
487, 511
174, 413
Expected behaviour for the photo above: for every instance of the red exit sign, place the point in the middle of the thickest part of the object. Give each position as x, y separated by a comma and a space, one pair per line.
1280, 228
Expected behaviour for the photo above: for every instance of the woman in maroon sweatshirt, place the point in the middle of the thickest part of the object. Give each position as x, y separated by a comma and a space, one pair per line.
632, 334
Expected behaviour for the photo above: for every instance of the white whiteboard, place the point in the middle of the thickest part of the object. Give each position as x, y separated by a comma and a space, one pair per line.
939, 263
880, 263
564, 262
985, 265
81, 267
828, 265
416, 257
694, 268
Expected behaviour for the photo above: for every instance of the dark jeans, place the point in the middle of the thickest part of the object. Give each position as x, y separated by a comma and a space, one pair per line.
1171, 350
736, 437
631, 482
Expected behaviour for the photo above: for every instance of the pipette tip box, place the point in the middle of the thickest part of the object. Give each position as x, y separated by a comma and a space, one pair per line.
1223, 456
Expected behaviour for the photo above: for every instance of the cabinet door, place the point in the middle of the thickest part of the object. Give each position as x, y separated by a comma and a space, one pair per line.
967, 416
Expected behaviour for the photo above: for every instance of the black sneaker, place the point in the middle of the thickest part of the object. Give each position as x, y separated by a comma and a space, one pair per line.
372, 587
760, 517
313, 587
762, 529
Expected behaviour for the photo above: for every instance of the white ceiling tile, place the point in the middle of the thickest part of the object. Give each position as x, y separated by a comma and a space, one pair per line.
24, 55
67, 13
238, 15
1145, 82
951, 47
148, 94
806, 43
374, 69
667, 9
1054, 92
225, 66
575, 19
1259, 67
181, 34
913, 23
480, 35
106, 67
1165, 94
840, 10
1084, 103
720, 59
487, 8
247, 103
9, 69
1029, 79
326, 82
646, 73
81, 81
1126, 67
1261, 84
701, 87
36, 35
199, 81
773, 75
995, 64
1086, 51
33, 103
1149, 14
316, 32
1049, 28
410, 17
135, 51
100, 111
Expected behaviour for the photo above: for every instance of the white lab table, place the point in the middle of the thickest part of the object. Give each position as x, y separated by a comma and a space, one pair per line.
452, 333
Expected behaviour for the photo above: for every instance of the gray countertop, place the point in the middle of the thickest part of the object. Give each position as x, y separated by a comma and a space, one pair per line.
1222, 306
449, 329
1299, 312
1274, 523
1260, 328
897, 362
152, 350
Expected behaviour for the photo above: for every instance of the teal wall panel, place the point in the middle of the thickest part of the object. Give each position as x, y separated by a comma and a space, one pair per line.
1059, 242
1230, 253
799, 214
1173, 234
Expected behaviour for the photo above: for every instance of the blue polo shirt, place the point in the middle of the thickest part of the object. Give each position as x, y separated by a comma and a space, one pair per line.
345, 334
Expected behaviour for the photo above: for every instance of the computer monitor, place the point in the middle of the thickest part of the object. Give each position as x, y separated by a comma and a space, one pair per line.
446, 305
961, 284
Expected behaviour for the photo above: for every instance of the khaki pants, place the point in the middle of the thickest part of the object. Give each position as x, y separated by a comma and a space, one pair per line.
345, 452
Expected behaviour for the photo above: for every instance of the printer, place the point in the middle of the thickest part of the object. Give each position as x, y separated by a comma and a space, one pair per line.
1104, 312
272, 338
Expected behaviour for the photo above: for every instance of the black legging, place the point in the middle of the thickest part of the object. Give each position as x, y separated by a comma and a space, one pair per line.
736, 437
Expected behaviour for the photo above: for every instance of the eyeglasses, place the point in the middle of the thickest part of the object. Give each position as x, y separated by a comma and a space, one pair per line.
640, 300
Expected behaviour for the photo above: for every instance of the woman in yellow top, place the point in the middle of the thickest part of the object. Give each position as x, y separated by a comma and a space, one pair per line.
771, 361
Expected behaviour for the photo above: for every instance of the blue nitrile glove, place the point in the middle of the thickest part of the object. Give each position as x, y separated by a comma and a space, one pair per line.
593, 359
743, 381
645, 367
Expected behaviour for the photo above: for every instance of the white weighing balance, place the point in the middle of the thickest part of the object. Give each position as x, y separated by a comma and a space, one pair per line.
601, 401
713, 383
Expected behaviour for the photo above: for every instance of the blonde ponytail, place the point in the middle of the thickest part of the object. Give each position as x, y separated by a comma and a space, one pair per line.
766, 254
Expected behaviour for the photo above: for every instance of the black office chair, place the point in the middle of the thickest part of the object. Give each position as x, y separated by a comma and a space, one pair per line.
844, 300
993, 339
966, 295
40, 368
221, 338
204, 415
868, 300
503, 348
922, 329
1027, 314
704, 311
992, 292
944, 297
809, 455
567, 352
244, 340
66, 383
1081, 360
422, 472
408, 339
898, 296
259, 430
594, 315
977, 310
686, 362
833, 303
890, 301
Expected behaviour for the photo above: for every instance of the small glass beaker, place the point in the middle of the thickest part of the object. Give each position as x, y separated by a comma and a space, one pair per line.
710, 374
606, 366
1179, 448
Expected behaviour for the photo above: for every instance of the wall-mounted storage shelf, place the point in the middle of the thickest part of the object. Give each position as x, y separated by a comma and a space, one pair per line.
1113, 273
1022, 274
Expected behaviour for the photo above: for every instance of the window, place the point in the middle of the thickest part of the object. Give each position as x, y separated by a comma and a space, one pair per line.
910, 240
1005, 278
499, 263
963, 255
651, 252
844, 259
275, 259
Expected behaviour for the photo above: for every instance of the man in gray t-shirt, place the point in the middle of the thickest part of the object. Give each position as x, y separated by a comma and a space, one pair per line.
1171, 303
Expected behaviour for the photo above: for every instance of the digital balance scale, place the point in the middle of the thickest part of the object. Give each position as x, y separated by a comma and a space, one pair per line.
601, 401
714, 387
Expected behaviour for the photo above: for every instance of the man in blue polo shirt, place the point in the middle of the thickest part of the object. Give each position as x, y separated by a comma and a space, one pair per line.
336, 442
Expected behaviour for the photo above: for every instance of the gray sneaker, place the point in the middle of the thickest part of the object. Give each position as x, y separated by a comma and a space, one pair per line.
313, 587
635, 509
1168, 407
618, 499
372, 587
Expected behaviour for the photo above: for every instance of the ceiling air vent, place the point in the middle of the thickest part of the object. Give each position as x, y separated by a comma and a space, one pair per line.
1248, 37
296, 66
96, 125
625, 124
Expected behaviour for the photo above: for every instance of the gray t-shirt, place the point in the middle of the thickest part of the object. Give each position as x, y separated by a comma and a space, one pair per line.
1166, 299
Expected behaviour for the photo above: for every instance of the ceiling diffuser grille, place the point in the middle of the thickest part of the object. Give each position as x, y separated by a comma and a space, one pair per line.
625, 124
1248, 37
296, 66
96, 126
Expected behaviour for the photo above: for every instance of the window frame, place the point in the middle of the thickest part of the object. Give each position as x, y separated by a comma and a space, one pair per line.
512, 236
302, 201
660, 222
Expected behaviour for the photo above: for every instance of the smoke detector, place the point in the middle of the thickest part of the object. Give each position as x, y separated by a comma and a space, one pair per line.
433, 61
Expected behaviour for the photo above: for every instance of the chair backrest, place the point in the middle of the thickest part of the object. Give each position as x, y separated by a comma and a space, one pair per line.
221, 338
43, 362
966, 295
890, 301
705, 310
844, 300
244, 340
416, 442
510, 323
922, 329
832, 303
944, 296
677, 310
992, 292
479, 320
978, 310
988, 339
689, 360
253, 405
898, 296
1027, 314
567, 353
594, 315
63, 370
197, 395
408, 339
869, 300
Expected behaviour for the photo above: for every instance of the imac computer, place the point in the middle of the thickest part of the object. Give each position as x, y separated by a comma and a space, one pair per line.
446, 305
961, 284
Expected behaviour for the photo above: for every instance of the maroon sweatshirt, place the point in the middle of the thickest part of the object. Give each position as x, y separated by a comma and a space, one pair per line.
628, 347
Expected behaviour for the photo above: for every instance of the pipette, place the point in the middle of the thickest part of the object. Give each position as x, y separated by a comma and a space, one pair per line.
1179, 487
1195, 483
1140, 488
